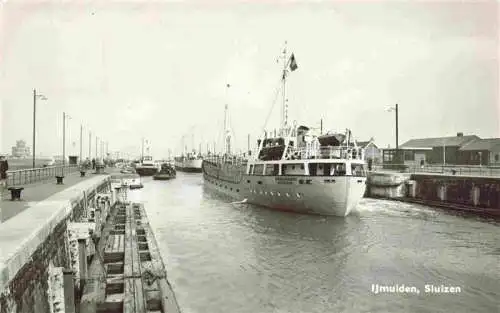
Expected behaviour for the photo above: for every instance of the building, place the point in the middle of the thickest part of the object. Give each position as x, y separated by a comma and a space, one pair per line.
481, 152
424, 151
21, 150
372, 152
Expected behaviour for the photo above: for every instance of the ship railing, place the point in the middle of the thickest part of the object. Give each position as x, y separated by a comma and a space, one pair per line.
34, 175
329, 152
234, 160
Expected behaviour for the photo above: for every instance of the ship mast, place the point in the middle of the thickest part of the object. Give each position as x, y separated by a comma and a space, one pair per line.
284, 107
227, 132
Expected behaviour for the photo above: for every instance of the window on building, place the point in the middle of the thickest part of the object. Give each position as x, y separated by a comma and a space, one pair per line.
497, 157
409, 155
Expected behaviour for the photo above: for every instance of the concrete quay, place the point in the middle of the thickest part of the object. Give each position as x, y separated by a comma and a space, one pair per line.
55, 254
465, 193
34, 193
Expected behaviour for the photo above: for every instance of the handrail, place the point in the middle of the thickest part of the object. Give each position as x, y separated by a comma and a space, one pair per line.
33, 175
448, 169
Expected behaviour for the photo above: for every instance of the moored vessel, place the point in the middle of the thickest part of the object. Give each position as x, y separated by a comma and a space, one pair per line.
296, 170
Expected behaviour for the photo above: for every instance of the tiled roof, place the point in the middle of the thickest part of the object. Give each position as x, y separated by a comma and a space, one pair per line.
439, 141
481, 144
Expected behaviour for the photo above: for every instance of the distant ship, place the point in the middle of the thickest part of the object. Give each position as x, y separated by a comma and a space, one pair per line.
190, 162
296, 170
146, 167
166, 172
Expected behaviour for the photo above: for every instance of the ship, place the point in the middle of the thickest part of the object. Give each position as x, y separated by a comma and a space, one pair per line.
297, 169
166, 172
146, 167
190, 162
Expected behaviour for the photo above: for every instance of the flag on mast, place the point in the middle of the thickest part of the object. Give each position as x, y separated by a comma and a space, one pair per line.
293, 63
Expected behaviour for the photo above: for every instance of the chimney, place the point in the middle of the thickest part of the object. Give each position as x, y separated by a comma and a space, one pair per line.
460, 134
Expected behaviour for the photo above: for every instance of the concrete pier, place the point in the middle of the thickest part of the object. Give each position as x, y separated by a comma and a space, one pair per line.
457, 192
55, 255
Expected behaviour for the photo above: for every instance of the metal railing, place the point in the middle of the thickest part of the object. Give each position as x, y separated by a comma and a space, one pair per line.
465, 170
33, 175
340, 152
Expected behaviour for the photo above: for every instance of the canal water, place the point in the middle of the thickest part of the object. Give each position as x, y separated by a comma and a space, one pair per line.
225, 257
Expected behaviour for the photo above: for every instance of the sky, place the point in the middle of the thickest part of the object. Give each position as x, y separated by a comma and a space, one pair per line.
158, 70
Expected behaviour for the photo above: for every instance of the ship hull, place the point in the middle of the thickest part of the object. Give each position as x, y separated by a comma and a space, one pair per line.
323, 195
146, 171
189, 166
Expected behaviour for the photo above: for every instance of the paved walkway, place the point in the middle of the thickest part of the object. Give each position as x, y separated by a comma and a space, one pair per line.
37, 192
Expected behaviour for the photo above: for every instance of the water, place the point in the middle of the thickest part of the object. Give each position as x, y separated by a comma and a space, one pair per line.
224, 257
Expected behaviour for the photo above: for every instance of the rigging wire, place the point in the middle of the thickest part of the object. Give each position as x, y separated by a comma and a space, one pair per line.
272, 107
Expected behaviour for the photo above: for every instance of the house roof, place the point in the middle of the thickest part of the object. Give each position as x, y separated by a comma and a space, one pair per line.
363, 144
439, 142
481, 144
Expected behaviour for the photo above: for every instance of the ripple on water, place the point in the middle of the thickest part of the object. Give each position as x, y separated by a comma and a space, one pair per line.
224, 257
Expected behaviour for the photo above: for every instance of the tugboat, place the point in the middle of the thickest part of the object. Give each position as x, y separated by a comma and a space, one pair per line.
166, 172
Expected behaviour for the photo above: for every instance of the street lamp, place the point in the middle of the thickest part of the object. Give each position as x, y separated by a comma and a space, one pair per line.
41, 97
65, 116
395, 108
81, 143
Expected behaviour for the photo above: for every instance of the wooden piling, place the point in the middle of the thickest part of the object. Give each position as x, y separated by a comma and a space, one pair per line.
127, 274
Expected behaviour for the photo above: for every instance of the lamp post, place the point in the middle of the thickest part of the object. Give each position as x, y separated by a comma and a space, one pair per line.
81, 142
90, 144
396, 110
41, 97
65, 116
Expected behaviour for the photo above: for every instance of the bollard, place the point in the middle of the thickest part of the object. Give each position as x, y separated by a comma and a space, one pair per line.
475, 195
442, 192
69, 291
82, 255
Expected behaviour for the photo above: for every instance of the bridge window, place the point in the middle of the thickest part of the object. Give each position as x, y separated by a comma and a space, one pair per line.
327, 169
272, 169
258, 169
293, 169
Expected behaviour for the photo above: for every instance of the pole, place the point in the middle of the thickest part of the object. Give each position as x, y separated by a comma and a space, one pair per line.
444, 153
397, 127
34, 125
248, 143
96, 139
81, 142
64, 142
321, 127
142, 149
90, 144
283, 109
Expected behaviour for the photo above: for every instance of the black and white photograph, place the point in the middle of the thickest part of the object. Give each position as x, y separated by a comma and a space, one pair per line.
265, 156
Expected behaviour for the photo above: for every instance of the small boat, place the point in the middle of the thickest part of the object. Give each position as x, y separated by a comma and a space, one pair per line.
135, 183
166, 172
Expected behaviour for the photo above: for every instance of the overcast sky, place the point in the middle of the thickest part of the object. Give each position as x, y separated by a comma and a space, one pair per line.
159, 70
